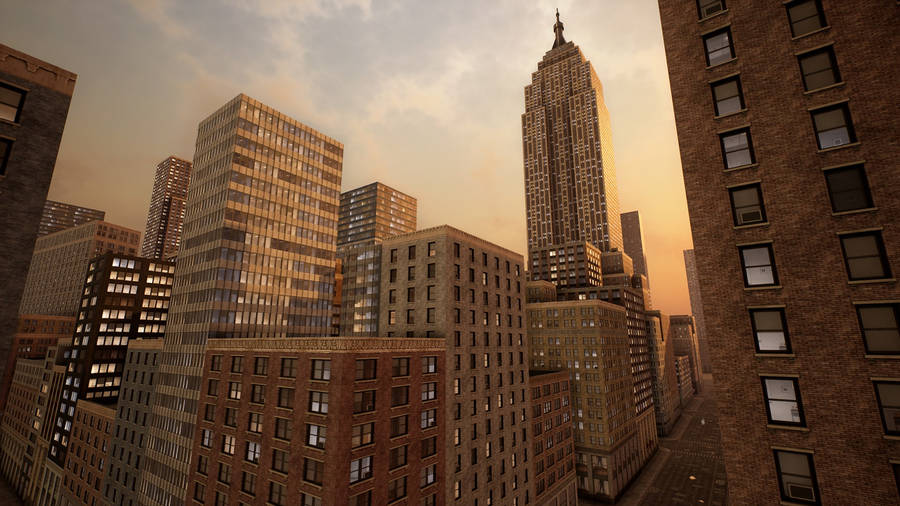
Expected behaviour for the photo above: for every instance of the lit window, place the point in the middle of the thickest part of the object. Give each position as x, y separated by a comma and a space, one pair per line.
747, 205
864, 256
833, 126
770, 330
737, 148
718, 46
805, 16
783, 405
362, 435
321, 370
796, 477
315, 435
819, 68
758, 265
727, 96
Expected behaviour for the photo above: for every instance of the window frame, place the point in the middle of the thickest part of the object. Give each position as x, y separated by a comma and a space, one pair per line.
761, 204
709, 35
21, 105
740, 94
887, 273
798, 400
895, 308
768, 246
820, 12
848, 124
832, 59
881, 406
866, 188
812, 477
784, 328
704, 16
725, 152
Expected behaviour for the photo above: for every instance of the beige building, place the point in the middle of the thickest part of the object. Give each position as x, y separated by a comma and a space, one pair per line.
165, 219
666, 397
375, 211
60, 261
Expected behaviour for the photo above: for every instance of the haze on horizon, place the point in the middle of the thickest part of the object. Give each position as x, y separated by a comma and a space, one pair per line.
426, 97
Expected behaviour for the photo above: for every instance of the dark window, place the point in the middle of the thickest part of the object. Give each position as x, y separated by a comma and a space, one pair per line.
429, 365
411, 294
397, 457
878, 323
364, 499
718, 46
805, 16
429, 315
364, 401
321, 370
362, 435
261, 366
888, 395
277, 495
864, 256
285, 397
456, 249
393, 255
783, 403
412, 253
399, 396
833, 126
399, 426
410, 316
397, 489
11, 101
283, 428
366, 369
706, 8
770, 330
429, 446
279, 461
737, 148
796, 477
819, 68
727, 96
313, 471
432, 250
289, 368
411, 273
431, 270
258, 394
237, 364
392, 276
400, 367
747, 205
758, 264
848, 189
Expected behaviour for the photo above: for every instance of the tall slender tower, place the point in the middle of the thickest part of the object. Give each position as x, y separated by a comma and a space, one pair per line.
165, 219
257, 261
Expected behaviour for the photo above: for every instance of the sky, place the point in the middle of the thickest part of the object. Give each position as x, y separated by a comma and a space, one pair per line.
427, 98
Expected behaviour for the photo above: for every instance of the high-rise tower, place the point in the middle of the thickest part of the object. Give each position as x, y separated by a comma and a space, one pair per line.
165, 220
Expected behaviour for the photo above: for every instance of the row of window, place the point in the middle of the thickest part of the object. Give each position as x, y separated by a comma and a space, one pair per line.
804, 16
320, 370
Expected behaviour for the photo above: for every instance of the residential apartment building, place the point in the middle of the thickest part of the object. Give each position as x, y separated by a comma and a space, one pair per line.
165, 219
34, 103
88, 457
60, 216
256, 261
690, 268
56, 274
375, 211
787, 125
34, 335
553, 461
666, 397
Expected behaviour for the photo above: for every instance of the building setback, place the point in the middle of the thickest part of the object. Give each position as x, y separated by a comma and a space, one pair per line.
787, 125
165, 219
34, 335
375, 211
553, 461
34, 103
690, 268
257, 260
60, 216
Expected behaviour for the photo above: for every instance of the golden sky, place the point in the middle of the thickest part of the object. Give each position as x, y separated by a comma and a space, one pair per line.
425, 96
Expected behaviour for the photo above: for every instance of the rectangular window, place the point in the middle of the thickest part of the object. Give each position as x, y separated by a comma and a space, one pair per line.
321, 370
719, 48
258, 394
315, 435
706, 8
783, 403
277, 494
392, 275
283, 428
819, 68
234, 390
260, 366
362, 435
364, 401
366, 369
429, 446
279, 461
360, 469
364, 499
429, 391
412, 252
848, 189
397, 457
727, 96
400, 367
248, 483
252, 453
429, 365
805, 16
429, 292
228, 444
11, 101
431, 270
313, 471
796, 477
411, 294
411, 273
397, 489
237, 364
770, 330
215, 363
286, 398
429, 474
411, 316
429, 315
318, 402
737, 148
399, 396
432, 249
289, 368
758, 264
888, 395
429, 418
833, 126
879, 328
747, 204
399, 426
254, 423
393, 255
865, 256
392, 296
392, 317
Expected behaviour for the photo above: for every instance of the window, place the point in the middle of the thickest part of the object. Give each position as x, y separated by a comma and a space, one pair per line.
805, 16
364, 401
429, 391
429, 365
252, 454
209, 413
277, 495
362, 434
285, 397
727, 96
360, 469
289, 368
393, 255
848, 188
737, 148
397, 457
796, 477
411, 273
888, 395
432, 249
11, 101
429, 474
364, 499
392, 317
279, 461
400, 367
318, 402
864, 256
254, 422
215, 363
399, 426
260, 366
397, 489
283, 428
759, 266
429, 446
224, 473
783, 403
833, 126
392, 296
366, 369
248, 483
321, 370
431, 270
206, 438
202, 464
310, 500
411, 316
313, 471
412, 252
429, 315
258, 394
706, 8
237, 364
719, 48
429, 418
747, 205
315, 435
399, 396
411, 294
819, 68
228, 444
234, 390
770, 330
392, 276
879, 328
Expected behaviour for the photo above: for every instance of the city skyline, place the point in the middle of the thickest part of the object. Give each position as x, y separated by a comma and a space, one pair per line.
431, 145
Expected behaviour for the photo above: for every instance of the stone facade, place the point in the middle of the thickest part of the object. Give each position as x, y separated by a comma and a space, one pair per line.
34, 335
684, 340
666, 397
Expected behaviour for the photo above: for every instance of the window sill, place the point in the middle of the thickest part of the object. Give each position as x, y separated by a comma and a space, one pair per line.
823, 88
735, 113
757, 288
881, 357
742, 167
855, 211
890, 437
775, 355
9, 122
835, 148
872, 281
820, 30
707, 18
717, 65
751, 225
787, 427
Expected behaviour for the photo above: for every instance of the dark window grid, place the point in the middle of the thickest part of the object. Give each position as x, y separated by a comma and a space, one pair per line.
848, 188
758, 330
782, 474
855, 261
737, 148
833, 126
758, 265
777, 398
819, 68
886, 333
889, 408
805, 16
728, 96
718, 47
743, 207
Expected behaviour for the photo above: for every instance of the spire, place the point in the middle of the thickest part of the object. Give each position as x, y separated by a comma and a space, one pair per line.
558, 30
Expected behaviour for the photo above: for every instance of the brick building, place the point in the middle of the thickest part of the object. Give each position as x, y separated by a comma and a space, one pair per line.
787, 125
165, 219
60, 216
88, 457
666, 397
553, 460
690, 268
686, 388
319, 421
34, 335
684, 340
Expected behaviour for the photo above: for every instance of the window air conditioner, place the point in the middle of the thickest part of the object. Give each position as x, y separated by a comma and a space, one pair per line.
751, 216
803, 492
709, 10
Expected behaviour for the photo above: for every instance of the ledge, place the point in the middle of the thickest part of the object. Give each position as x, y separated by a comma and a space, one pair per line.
855, 211
823, 88
835, 148
775, 355
872, 281
742, 167
710, 67
787, 427
735, 113
757, 288
820, 30
707, 18
752, 225
873, 356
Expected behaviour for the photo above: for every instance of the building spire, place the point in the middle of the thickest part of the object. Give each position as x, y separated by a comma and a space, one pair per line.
558, 30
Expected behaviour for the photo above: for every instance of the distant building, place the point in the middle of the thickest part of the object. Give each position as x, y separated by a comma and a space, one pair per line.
633, 241
690, 265
34, 335
375, 211
553, 461
165, 219
60, 216
361, 287
686, 388
34, 103
684, 341
666, 396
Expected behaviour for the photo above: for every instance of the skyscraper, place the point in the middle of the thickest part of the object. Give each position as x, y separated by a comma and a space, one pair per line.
787, 123
375, 211
256, 261
60, 216
165, 220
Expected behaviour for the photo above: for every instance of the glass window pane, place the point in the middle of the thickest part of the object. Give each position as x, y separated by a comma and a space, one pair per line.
780, 389
756, 256
848, 189
8, 112
745, 197
725, 90
829, 120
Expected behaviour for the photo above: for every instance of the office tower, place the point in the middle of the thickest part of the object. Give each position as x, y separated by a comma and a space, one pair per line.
361, 287
165, 219
60, 261
686, 388
256, 261
633, 240
442, 282
84, 468
553, 461
128, 440
787, 125
34, 335
690, 268
684, 340
666, 398
321, 421
60, 216
375, 211
123, 298
34, 102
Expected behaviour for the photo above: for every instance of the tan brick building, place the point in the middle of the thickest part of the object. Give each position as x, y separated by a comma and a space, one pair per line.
683, 336
165, 219
553, 460
787, 124
60, 216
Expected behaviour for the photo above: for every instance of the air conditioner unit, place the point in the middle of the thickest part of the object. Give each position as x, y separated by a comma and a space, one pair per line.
751, 216
802, 492
709, 10
837, 141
